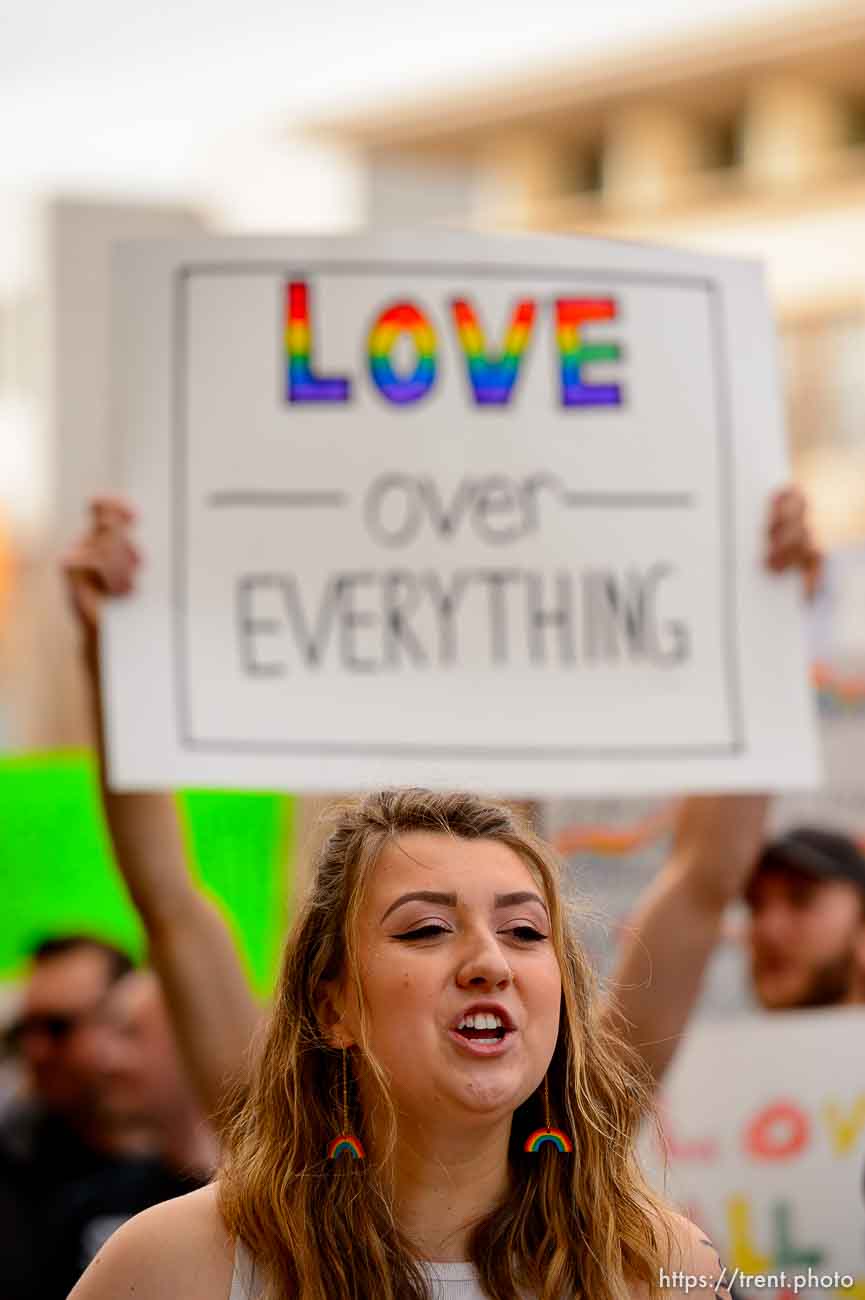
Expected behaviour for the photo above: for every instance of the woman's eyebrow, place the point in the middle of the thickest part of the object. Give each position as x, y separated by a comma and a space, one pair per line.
521, 896
450, 900
422, 896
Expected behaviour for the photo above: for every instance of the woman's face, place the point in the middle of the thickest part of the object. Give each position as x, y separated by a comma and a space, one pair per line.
460, 977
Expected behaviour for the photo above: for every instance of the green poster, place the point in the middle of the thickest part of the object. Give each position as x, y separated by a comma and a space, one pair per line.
58, 875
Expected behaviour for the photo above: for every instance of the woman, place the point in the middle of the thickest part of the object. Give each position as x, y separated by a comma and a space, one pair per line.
435, 1016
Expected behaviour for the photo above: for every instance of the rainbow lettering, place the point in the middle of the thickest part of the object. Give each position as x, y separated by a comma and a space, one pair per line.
536, 1140
402, 318
346, 1144
571, 315
493, 381
302, 385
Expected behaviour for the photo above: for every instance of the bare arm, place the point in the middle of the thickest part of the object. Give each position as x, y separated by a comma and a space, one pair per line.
190, 947
677, 923
671, 935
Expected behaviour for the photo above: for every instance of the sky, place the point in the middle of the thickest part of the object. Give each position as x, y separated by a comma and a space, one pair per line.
118, 95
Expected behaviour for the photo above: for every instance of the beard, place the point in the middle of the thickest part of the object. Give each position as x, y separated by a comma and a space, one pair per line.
830, 984
827, 985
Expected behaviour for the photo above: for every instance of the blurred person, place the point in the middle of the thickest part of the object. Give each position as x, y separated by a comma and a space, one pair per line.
804, 937
145, 1085
146, 1095
77, 1159
58, 1033
806, 898
54, 1135
212, 1009
437, 1017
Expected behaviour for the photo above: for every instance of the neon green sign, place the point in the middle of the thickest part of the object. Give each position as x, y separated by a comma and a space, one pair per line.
59, 876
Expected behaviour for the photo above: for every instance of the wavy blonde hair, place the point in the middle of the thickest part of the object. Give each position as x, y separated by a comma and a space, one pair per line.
582, 1225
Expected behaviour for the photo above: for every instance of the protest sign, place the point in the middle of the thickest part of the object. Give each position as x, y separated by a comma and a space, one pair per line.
58, 865
765, 1129
451, 510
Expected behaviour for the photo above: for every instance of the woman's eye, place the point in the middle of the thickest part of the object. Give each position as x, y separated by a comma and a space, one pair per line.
526, 934
423, 932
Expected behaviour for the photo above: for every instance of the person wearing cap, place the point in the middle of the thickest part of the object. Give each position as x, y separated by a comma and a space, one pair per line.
805, 934
806, 897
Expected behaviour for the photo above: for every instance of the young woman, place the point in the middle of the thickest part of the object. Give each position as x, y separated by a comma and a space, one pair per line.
438, 1109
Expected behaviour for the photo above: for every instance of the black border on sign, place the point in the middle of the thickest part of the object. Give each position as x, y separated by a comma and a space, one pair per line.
324, 749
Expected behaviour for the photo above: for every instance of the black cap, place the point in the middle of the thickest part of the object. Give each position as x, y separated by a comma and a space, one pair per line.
817, 852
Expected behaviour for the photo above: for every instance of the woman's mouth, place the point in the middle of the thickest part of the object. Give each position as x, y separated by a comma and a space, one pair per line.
482, 1033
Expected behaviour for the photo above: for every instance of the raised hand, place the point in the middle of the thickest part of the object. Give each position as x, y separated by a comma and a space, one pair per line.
103, 561
790, 542
212, 1009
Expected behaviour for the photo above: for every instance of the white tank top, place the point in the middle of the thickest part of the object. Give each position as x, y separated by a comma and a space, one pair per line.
450, 1281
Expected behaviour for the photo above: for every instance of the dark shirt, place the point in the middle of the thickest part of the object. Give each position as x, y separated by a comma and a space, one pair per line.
60, 1200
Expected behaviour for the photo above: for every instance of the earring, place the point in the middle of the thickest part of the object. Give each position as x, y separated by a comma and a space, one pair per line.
345, 1143
556, 1136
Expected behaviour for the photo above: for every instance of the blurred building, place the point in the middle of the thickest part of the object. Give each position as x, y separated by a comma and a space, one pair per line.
750, 142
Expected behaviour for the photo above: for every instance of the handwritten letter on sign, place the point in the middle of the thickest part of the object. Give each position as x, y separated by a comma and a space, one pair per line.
451, 510
765, 1138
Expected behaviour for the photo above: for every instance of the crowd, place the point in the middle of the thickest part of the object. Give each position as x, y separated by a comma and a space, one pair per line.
439, 1101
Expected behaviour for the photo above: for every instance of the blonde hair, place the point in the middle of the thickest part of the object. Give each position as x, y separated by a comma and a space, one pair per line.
580, 1225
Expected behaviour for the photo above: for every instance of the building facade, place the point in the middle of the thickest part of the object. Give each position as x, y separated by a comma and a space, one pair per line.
749, 141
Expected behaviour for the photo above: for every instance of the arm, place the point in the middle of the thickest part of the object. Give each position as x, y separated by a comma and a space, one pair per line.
190, 947
670, 937
677, 923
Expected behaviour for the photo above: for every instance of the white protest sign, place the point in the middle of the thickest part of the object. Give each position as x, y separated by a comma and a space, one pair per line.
451, 510
765, 1126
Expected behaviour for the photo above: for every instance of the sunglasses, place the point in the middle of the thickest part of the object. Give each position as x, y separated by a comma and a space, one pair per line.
56, 1027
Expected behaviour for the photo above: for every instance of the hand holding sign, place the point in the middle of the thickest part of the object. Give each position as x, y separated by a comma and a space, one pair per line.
791, 542
103, 561
189, 944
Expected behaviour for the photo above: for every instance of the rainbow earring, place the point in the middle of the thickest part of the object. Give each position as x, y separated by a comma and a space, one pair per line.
555, 1136
345, 1143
